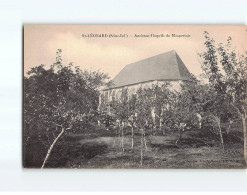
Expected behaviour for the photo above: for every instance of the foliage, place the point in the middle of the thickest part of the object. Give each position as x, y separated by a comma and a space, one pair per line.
58, 99
226, 73
121, 106
142, 107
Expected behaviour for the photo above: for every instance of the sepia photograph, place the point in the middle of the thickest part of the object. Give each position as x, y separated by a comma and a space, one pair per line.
134, 96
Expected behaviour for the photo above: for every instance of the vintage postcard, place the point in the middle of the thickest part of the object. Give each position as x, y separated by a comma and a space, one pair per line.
135, 96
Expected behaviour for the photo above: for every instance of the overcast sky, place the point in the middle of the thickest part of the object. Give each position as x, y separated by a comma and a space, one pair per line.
112, 54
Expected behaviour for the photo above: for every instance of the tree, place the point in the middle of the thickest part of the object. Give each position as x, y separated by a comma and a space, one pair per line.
143, 107
204, 108
226, 73
57, 101
132, 118
121, 112
143, 114
162, 99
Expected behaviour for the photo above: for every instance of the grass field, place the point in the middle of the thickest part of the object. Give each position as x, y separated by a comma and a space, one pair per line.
93, 148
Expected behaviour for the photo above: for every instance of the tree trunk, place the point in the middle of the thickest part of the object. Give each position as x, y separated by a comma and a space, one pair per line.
51, 147
163, 130
141, 149
220, 132
243, 117
228, 129
119, 136
221, 138
132, 137
180, 136
144, 139
245, 138
217, 120
114, 141
122, 141
229, 126
160, 128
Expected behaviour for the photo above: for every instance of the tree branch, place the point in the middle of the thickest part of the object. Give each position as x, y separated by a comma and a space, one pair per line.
236, 109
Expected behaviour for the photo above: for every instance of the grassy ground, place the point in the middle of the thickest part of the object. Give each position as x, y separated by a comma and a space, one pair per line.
197, 149
93, 148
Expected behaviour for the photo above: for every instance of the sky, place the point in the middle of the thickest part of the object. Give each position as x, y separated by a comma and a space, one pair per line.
111, 54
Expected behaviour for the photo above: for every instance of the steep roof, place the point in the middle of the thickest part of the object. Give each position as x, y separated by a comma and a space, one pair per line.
166, 66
